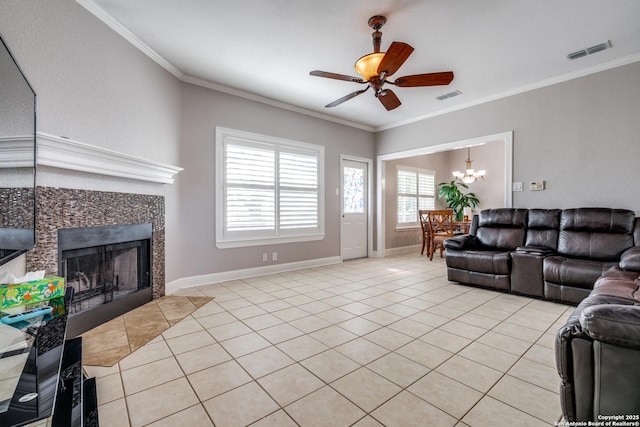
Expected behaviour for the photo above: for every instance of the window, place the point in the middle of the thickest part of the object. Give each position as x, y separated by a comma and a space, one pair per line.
416, 190
268, 190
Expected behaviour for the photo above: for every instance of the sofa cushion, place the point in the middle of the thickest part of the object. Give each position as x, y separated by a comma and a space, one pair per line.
618, 283
503, 217
543, 226
579, 273
618, 273
630, 259
493, 262
617, 324
501, 229
619, 288
595, 233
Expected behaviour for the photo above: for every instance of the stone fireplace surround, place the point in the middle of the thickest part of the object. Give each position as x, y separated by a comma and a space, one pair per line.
59, 208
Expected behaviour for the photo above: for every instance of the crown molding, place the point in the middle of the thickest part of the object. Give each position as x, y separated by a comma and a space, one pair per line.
264, 100
64, 153
116, 26
16, 151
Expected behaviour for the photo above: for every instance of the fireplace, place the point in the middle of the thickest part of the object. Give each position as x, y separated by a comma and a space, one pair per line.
109, 269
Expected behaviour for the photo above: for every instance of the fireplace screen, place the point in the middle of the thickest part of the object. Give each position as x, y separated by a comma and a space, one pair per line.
109, 269
102, 274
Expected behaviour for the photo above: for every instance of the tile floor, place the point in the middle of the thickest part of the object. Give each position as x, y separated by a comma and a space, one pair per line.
113, 340
367, 343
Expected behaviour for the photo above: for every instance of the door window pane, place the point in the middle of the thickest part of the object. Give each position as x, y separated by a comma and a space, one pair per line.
353, 199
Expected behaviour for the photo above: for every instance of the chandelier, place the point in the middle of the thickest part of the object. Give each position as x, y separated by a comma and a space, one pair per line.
470, 175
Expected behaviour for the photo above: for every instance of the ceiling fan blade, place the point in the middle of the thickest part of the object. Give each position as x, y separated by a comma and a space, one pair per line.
397, 53
335, 76
430, 79
389, 99
346, 98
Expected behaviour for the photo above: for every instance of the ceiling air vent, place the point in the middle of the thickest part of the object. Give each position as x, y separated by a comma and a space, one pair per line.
448, 95
590, 50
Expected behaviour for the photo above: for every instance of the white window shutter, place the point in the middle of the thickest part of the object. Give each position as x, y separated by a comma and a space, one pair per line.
416, 190
298, 173
270, 190
250, 188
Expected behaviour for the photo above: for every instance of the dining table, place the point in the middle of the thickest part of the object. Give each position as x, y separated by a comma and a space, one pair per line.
463, 225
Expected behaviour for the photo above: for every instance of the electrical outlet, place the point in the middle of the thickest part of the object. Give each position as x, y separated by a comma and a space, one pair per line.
265, 257
274, 256
536, 185
517, 186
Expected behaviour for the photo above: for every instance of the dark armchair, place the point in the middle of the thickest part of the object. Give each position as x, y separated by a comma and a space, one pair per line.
482, 257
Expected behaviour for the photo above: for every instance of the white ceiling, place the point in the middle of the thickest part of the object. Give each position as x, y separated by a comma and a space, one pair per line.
267, 47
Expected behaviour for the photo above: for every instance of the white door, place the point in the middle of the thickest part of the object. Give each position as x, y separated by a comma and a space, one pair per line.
354, 229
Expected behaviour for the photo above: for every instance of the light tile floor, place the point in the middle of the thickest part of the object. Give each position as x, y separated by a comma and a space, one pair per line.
367, 343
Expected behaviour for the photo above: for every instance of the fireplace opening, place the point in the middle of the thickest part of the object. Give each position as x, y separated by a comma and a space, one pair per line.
102, 274
109, 269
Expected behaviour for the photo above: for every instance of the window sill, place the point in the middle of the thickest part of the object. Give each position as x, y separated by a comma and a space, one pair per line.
407, 227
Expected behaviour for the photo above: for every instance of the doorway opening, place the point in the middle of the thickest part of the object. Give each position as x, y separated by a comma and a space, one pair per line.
505, 139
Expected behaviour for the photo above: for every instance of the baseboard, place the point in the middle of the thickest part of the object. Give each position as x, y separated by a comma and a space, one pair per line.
402, 250
225, 276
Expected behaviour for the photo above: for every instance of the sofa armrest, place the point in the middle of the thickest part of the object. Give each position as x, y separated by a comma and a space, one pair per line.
630, 259
465, 241
535, 250
613, 323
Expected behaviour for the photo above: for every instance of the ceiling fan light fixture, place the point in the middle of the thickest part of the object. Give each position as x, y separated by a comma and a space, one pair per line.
367, 66
377, 66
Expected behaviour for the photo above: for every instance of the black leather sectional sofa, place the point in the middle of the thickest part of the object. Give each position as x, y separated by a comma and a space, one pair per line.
586, 256
547, 253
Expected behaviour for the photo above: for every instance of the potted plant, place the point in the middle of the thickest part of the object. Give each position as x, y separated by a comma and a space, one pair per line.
456, 199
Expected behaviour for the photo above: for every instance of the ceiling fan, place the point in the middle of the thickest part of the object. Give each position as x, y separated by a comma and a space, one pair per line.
377, 66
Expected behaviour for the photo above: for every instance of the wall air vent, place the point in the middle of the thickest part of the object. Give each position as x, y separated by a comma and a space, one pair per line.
448, 95
590, 50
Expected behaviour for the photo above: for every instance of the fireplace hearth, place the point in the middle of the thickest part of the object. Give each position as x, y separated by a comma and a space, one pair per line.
109, 269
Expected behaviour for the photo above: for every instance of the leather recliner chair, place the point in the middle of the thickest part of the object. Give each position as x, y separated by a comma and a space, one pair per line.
482, 256
598, 349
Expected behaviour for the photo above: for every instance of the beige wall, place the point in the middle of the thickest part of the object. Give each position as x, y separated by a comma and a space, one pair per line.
202, 111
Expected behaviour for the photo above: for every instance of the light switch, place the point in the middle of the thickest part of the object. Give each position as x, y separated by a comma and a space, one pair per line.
517, 186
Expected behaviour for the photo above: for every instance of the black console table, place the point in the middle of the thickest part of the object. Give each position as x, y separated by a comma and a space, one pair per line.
51, 385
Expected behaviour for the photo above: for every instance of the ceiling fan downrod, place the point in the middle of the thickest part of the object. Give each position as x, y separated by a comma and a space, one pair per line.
376, 22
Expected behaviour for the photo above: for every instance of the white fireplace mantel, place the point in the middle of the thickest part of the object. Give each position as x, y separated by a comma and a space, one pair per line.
60, 152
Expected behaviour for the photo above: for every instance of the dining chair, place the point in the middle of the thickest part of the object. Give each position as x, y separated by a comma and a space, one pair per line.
423, 217
441, 228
